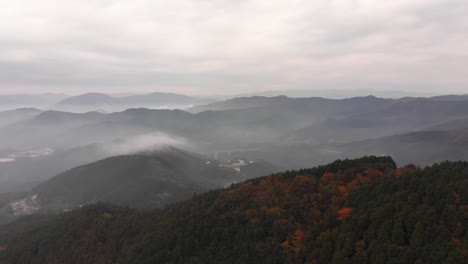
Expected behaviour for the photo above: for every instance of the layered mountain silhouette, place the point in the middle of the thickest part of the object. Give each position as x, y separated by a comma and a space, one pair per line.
106, 103
288, 133
9, 117
41, 101
313, 120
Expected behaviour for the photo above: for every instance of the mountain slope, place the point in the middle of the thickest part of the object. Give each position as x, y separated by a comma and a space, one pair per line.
87, 99
12, 116
41, 101
352, 211
312, 105
459, 123
394, 118
26, 172
144, 180
240, 103
451, 97
421, 147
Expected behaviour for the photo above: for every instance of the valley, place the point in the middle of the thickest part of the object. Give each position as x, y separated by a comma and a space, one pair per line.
234, 132
57, 165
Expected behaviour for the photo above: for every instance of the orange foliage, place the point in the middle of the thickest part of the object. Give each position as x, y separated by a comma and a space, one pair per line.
303, 184
285, 244
344, 212
407, 169
299, 236
240, 193
327, 176
373, 174
456, 242
342, 189
250, 212
398, 172
369, 176
3, 248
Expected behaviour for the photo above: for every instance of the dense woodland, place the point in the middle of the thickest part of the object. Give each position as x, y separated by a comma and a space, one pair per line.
351, 211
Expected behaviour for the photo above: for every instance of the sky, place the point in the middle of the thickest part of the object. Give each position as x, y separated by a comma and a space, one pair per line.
232, 46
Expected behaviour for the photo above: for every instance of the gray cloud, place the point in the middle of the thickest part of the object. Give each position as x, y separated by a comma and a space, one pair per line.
208, 46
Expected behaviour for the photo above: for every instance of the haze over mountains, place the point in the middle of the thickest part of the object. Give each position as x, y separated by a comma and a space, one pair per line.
99, 102
102, 102
14, 101
311, 130
124, 151
241, 122
107, 103
340, 93
13, 116
234, 132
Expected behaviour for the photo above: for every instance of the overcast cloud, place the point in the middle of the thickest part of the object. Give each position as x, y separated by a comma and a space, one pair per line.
232, 46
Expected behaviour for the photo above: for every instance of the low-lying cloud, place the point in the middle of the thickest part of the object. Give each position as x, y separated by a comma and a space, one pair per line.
144, 143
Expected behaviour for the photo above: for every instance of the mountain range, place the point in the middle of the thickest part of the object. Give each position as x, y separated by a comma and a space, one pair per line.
106, 103
288, 133
9, 117
41, 101
315, 120
113, 185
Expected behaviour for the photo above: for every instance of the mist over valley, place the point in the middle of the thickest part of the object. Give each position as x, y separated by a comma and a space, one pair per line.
233, 132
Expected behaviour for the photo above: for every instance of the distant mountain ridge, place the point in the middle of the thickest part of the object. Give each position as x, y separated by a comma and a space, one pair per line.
240, 103
421, 147
451, 97
9, 117
106, 103
91, 99
41, 101
313, 120
310, 130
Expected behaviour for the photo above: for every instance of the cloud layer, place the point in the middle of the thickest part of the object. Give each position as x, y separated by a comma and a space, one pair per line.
143, 143
228, 46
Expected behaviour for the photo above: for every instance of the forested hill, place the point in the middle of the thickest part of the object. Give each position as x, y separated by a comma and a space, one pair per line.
352, 211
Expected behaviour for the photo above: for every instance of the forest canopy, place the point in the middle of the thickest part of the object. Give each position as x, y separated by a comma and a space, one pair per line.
351, 211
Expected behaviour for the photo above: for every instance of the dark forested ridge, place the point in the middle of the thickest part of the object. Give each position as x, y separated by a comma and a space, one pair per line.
351, 211
144, 180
